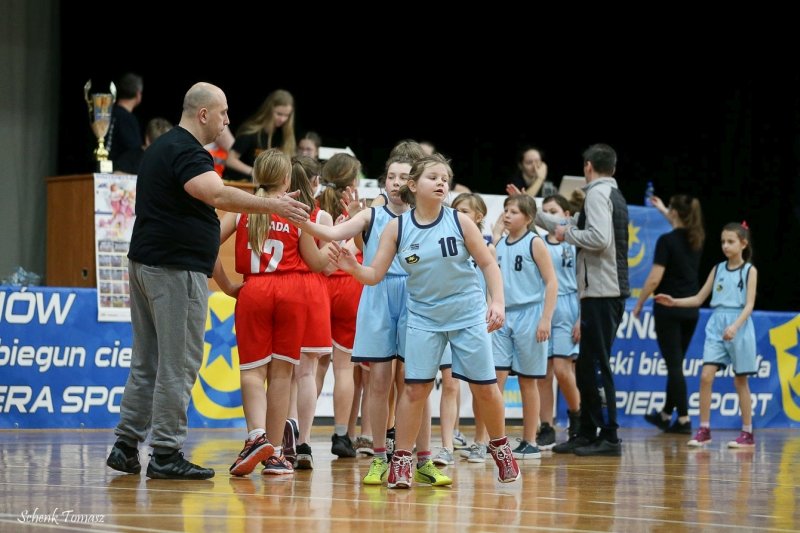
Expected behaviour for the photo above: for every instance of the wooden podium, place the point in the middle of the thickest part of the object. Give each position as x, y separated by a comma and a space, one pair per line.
70, 233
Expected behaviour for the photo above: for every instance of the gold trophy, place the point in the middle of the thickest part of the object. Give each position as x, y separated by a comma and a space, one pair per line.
100, 106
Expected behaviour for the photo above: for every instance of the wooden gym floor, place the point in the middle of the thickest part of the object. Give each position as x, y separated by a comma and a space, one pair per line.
57, 481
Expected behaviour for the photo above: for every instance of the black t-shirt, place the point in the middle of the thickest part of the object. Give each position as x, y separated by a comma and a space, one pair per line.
518, 180
124, 133
172, 228
681, 264
248, 147
129, 161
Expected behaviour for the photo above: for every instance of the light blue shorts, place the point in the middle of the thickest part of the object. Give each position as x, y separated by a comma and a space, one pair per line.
381, 321
447, 358
472, 354
739, 352
564, 318
514, 345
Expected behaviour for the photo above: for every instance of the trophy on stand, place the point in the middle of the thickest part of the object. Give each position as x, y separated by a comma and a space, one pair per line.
100, 106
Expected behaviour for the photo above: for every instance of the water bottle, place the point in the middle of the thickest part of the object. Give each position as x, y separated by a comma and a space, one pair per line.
648, 194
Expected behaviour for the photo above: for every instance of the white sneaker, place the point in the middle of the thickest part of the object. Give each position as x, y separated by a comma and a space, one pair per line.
477, 453
444, 458
459, 440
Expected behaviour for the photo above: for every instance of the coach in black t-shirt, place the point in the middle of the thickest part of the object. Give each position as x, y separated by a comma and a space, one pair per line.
172, 253
674, 271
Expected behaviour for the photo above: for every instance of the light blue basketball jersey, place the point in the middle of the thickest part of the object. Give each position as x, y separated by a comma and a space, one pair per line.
379, 219
522, 281
443, 289
563, 255
730, 286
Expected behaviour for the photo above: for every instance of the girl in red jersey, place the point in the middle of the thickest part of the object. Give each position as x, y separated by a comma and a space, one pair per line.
338, 173
272, 312
317, 338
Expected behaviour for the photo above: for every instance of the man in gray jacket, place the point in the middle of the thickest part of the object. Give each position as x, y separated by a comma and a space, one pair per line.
600, 232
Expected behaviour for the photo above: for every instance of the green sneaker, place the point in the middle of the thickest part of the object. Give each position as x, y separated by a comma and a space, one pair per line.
377, 472
428, 474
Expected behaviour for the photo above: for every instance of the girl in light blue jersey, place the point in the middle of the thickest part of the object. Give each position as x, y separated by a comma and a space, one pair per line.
730, 336
565, 334
474, 207
435, 245
531, 288
381, 321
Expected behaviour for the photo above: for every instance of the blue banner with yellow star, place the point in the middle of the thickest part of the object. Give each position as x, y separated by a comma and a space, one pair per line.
61, 368
640, 372
645, 226
216, 396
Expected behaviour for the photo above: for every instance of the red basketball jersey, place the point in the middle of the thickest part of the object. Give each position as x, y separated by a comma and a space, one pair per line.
280, 252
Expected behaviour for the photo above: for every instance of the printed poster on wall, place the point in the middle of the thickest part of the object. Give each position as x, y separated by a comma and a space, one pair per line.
114, 203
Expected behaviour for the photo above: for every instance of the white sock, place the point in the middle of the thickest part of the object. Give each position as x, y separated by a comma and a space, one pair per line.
278, 451
665, 416
705, 425
748, 429
255, 433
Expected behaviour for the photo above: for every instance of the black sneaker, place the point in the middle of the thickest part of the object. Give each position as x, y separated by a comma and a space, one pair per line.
389, 444
174, 466
304, 459
571, 445
291, 432
600, 447
546, 438
124, 458
341, 446
657, 420
680, 428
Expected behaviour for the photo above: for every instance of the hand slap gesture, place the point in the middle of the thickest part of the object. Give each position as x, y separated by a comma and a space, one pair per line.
351, 203
342, 257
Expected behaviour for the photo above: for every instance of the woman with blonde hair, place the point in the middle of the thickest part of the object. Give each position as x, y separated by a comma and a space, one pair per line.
272, 126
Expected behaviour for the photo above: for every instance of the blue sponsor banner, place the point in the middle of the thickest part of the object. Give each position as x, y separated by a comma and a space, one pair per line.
61, 368
645, 226
641, 373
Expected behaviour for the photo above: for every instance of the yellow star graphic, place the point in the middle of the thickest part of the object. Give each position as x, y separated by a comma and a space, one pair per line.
633, 235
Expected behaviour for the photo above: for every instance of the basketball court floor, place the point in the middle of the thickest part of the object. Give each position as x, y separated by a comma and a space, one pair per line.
57, 481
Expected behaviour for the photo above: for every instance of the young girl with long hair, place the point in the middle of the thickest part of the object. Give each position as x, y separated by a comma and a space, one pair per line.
273, 311
435, 245
730, 336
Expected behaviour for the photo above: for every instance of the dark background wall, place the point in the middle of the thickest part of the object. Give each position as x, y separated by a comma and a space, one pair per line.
711, 123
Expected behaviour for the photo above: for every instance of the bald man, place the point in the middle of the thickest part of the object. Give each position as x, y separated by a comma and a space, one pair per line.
172, 253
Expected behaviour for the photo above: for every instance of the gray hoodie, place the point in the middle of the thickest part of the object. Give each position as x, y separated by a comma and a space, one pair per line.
600, 232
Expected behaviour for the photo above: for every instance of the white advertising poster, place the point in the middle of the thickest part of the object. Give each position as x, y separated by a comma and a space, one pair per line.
114, 203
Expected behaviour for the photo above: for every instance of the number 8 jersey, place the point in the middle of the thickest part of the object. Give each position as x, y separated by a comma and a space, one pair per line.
444, 293
522, 281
